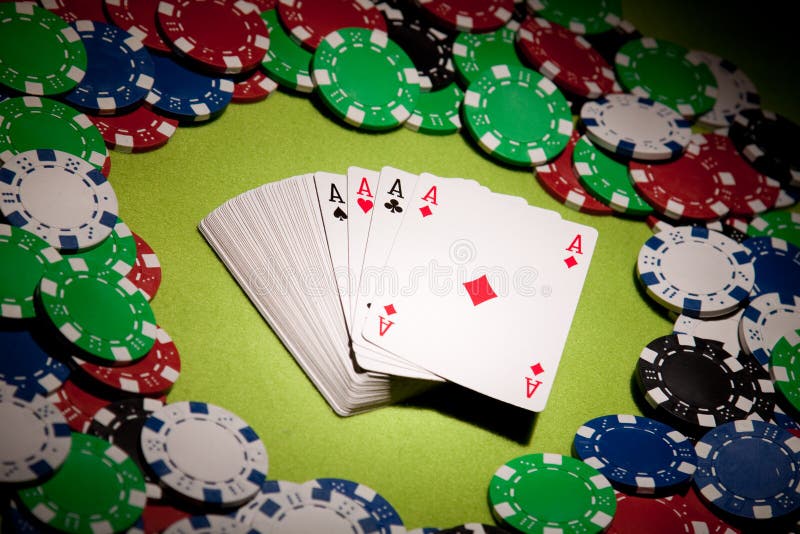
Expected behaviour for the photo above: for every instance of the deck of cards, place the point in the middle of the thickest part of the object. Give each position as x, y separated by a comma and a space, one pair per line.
383, 283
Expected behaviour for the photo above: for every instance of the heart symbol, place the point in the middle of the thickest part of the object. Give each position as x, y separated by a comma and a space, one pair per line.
365, 204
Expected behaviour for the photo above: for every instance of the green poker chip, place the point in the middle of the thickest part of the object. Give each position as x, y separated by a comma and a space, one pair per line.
32, 122
607, 179
365, 78
667, 73
517, 115
437, 112
97, 489
784, 367
781, 224
40, 54
24, 258
115, 253
474, 53
286, 62
580, 16
539, 493
105, 315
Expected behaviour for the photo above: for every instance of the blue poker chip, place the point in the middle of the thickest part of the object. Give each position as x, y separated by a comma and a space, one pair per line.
24, 363
784, 420
385, 518
119, 72
777, 266
187, 95
636, 453
749, 469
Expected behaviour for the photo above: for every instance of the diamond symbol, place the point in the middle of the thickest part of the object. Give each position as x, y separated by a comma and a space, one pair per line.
390, 309
537, 369
571, 262
425, 211
479, 290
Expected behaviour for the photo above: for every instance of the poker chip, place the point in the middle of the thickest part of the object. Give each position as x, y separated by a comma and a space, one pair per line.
657, 516
781, 224
437, 112
749, 493
205, 524
24, 257
784, 367
114, 503
119, 70
636, 453
768, 141
766, 319
668, 73
787, 197
157, 517
430, 48
187, 95
115, 253
286, 61
667, 268
472, 528
310, 21
606, 179
539, 492
580, 16
39, 53
384, 517
39, 440
72, 10
253, 87
77, 405
228, 470
694, 384
777, 265
688, 187
475, 53
222, 36
517, 116
135, 131
559, 179
146, 273
423, 530
469, 15
30, 123
124, 332
138, 17
365, 79
724, 329
635, 127
24, 363
566, 58
735, 91
120, 423
608, 43
155, 373
59, 197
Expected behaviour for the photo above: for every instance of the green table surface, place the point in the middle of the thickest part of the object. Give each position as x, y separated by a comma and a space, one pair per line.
431, 457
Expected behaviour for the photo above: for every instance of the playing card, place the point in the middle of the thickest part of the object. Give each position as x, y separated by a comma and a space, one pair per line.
361, 187
332, 197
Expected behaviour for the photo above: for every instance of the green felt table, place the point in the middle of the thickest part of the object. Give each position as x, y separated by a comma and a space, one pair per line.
431, 457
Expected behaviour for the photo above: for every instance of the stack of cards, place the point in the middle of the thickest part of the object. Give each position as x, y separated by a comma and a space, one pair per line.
384, 283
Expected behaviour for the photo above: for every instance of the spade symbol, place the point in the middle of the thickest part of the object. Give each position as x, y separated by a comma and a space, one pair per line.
393, 206
340, 214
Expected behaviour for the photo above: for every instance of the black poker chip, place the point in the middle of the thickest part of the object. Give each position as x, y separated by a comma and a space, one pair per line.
475, 528
770, 142
695, 384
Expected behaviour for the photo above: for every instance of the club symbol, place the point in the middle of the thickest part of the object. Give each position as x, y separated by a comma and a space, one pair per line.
393, 206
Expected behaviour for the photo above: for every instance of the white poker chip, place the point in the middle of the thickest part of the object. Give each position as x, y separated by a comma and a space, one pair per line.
766, 320
636, 127
723, 329
735, 91
695, 271
36, 437
206, 524
205, 453
58, 196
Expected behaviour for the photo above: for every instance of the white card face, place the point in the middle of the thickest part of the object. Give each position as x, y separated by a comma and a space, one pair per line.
361, 188
489, 294
332, 196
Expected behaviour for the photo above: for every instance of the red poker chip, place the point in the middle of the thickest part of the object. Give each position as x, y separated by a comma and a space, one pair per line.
146, 272
138, 17
225, 36
264, 5
254, 87
77, 405
654, 516
137, 131
308, 21
558, 178
158, 517
699, 510
72, 10
470, 15
566, 58
155, 373
106, 170
690, 187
